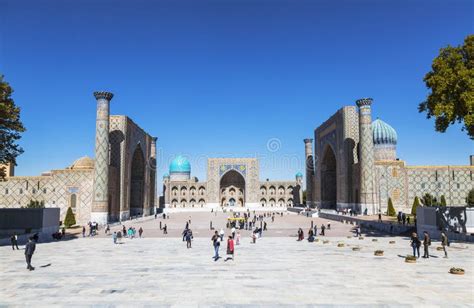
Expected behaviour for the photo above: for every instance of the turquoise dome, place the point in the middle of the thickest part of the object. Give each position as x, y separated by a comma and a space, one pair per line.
299, 175
166, 175
383, 133
180, 164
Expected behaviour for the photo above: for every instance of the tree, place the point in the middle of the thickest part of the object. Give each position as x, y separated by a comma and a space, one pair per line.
10, 127
443, 201
470, 198
452, 91
416, 203
427, 200
70, 220
391, 209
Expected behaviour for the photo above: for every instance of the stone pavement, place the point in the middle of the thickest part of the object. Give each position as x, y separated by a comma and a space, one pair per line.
275, 271
283, 226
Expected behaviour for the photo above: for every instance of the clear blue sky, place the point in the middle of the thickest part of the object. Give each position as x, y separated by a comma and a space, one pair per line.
221, 78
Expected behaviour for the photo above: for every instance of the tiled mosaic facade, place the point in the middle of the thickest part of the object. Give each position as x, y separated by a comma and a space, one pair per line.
338, 183
122, 179
232, 183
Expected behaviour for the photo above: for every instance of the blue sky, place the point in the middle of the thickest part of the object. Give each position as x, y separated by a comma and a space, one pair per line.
222, 78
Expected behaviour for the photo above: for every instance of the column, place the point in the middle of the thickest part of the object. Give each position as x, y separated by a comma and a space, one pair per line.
100, 197
366, 157
309, 168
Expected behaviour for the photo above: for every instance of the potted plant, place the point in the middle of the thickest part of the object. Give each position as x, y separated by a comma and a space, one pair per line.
410, 259
378, 253
456, 271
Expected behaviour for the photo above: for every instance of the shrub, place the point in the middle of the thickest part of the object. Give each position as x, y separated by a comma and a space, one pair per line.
443, 201
416, 203
470, 198
427, 200
391, 209
70, 220
34, 204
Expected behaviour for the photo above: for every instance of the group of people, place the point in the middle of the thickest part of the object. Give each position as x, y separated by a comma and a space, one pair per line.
415, 243
131, 233
403, 218
187, 234
216, 243
312, 232
93, 229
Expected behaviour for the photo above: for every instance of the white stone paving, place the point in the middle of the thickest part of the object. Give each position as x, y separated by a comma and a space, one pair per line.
275, 271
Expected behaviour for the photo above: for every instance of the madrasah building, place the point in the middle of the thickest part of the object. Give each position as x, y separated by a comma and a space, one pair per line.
353, 164
232, 183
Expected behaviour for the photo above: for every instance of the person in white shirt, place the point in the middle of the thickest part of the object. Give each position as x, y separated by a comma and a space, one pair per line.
221, 234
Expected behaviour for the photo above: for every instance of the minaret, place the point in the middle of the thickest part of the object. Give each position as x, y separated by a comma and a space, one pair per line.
100, 197
153, 206
366, 157
309, 168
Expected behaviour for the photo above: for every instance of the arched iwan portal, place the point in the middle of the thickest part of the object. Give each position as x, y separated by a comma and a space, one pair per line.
137, 184
229, 181
329, 179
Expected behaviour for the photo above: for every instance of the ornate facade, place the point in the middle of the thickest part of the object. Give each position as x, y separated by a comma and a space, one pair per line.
118, 184
231, 183
355, 166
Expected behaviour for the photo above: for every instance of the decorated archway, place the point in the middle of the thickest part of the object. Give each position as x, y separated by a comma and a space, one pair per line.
329, 179
231, 187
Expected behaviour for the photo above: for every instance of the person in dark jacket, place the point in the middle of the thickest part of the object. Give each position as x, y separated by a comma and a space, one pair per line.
29, 251
444, 243
14, 240
426, 244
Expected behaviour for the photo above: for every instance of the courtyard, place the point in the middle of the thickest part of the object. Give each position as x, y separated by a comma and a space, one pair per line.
277, 270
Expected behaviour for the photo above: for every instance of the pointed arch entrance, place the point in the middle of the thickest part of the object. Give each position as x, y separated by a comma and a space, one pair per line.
329, 179
137, 182
232, 189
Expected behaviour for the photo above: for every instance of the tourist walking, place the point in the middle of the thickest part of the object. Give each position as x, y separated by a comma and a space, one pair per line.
221, 234
14, 240
140, 232
107, 229
233, 232
165, 229
322, 229
264, 226
119, 237
83, 231
237, 241
216, 243
114, 236
444, 243
230, 249
415, 244
189, 237
315, 230
426, 244
29, 251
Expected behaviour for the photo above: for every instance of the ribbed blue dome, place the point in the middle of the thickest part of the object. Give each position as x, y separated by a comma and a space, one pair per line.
166, 175
299, 175
383, 133
180, 164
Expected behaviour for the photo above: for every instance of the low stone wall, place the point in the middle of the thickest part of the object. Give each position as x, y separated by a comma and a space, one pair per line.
379, 226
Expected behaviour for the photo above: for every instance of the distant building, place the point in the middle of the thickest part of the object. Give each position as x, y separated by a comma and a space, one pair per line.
232, 183
357, 167
118, 184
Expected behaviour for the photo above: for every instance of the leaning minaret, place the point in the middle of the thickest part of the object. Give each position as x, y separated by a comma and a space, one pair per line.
366, 156
309, 167
100, 197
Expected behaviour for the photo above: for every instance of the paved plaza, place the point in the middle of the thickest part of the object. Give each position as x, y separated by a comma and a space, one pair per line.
278, 270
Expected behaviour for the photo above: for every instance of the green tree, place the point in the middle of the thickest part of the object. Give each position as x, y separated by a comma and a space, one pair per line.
427, 200
452, 88
470, 198
70, 220
416, 203
10, 127
391, 209
443, 201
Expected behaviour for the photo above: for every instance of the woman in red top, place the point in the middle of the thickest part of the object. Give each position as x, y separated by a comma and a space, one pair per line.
230, 248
